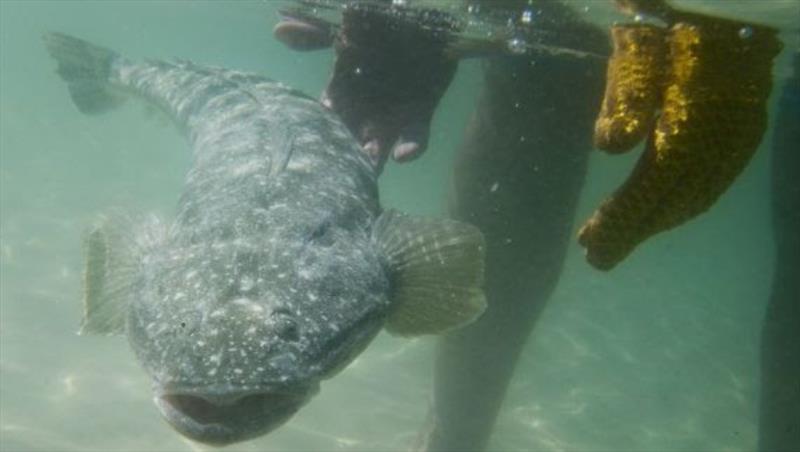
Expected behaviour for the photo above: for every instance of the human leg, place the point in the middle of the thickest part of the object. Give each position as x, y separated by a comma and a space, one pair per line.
518, 178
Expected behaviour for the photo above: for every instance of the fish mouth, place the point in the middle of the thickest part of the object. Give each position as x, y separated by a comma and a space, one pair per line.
221, 418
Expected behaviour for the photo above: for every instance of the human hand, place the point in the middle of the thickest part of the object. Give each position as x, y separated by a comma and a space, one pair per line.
389, 75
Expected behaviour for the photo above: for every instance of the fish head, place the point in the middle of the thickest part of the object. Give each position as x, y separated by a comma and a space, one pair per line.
237, 335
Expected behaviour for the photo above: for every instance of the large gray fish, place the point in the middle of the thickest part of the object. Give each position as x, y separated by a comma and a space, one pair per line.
280, 266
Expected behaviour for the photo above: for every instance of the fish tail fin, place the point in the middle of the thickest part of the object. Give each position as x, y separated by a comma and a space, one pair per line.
87, 69
436, 267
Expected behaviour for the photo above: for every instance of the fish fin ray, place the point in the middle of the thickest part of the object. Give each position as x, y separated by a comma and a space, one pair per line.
437, 271
112, 251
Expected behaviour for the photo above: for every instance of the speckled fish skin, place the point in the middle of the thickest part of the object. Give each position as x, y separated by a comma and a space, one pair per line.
712, 120
268, 281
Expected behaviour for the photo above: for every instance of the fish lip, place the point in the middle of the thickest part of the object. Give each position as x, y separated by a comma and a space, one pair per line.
220, 415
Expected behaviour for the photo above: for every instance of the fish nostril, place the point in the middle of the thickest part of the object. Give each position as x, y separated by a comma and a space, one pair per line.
285, 326
321, 235
287, 330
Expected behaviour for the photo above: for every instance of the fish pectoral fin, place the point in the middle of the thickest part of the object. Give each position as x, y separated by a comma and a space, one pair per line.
111, 254
436, 267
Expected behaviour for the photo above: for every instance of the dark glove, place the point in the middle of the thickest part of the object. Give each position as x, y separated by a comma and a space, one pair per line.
391, 70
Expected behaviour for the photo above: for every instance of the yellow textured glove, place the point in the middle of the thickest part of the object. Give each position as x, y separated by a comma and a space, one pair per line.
697, 90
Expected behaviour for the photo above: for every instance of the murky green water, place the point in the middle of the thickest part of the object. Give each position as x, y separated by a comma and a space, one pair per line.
659, 354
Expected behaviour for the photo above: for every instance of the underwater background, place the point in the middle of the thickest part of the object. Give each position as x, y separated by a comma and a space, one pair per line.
659, 354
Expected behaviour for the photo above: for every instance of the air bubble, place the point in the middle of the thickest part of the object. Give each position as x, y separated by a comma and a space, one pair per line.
746, 32
517, 46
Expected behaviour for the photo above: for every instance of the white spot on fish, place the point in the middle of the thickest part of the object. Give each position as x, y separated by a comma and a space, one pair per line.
247, 168
255, 307
246, 284
243, 302
299, 165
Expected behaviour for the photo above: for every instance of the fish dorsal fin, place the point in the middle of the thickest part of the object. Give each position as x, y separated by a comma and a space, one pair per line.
111, 254
436, 267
